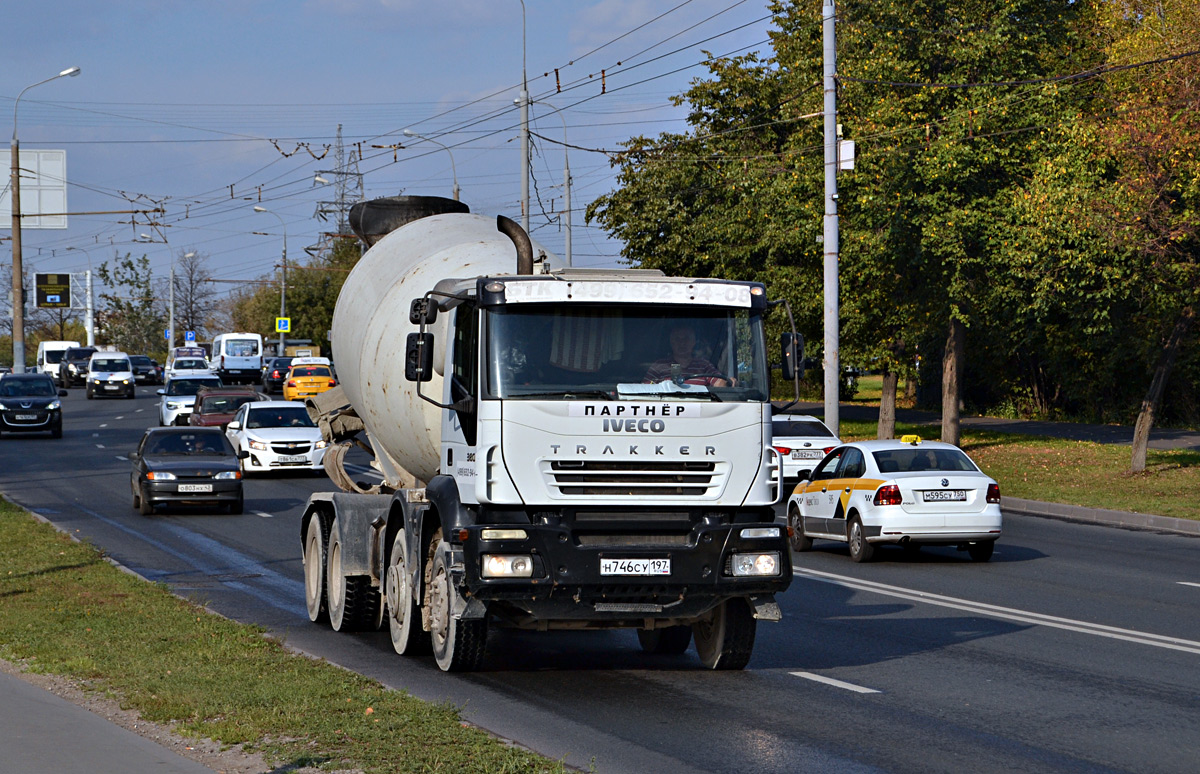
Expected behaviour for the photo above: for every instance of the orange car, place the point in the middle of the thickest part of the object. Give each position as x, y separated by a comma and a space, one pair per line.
308, 376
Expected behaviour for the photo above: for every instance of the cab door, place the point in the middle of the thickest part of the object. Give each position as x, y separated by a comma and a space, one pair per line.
461, 387
819, 500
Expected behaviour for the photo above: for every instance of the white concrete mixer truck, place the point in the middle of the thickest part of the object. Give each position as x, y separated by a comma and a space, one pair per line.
560, 448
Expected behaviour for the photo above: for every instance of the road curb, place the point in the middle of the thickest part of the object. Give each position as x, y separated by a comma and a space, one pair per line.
1123, 519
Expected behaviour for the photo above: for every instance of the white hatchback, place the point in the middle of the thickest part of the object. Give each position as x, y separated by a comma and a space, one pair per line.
179, 397
278, 435
910, 492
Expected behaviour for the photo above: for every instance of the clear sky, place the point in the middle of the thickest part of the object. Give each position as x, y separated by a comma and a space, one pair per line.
208, 107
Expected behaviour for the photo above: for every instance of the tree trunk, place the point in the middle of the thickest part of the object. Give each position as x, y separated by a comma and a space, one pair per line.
1162, 371
952, 369
887, 406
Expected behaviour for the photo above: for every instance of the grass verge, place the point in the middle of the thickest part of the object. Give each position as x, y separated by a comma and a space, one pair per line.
65, 610
1055, 470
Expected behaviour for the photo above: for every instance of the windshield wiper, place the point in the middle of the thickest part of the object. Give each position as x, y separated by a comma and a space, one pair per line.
565, 394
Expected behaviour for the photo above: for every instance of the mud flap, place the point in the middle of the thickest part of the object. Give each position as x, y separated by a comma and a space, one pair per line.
766, 608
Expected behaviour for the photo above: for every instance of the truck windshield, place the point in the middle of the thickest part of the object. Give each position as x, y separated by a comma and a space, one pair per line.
647, 352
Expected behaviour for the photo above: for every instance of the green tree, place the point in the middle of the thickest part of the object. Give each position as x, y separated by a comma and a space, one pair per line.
131, 312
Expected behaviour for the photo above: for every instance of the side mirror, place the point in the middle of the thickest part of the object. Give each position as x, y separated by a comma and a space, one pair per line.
233, 425
792, 345
418, 357
243, 454
62, 393
160, 392
133, 456
422, 310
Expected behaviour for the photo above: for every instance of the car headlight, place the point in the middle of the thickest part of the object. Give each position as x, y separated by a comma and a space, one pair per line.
320, 445
3, 407
259, 445
502, 566
156, 475
174, 404
53, 405
745, 565
228, 474
124, 381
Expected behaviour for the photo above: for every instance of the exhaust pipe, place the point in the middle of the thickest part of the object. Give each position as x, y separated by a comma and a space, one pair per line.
511, 229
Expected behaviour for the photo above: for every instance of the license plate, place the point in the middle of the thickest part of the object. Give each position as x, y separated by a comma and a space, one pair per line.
807, 454
195, 487
26, 417
945, 495
292, 458
635, 566
110, 386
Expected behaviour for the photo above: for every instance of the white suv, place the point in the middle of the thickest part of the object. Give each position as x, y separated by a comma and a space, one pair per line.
110, 373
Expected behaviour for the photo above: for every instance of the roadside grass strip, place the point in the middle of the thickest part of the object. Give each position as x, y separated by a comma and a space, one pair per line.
65, 610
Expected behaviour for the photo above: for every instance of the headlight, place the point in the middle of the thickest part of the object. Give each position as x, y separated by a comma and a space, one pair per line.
760, 532
124, 381
500, 566
174, 404
160, 476
228, 474
503, 534
258, 445
54, 405
320, 445
3, 407
745, 565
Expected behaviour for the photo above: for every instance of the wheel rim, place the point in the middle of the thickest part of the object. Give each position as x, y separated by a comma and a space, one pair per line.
855, 538
439, 617
312, 568
335, 574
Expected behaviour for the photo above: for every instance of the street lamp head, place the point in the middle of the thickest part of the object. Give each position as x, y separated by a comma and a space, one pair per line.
192, 254
70, 72
321, 180
260, 209
409, 133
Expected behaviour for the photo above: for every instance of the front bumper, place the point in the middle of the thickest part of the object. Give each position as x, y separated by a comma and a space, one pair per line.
567, 584
163, 492
30, 420
268, 459
112, 387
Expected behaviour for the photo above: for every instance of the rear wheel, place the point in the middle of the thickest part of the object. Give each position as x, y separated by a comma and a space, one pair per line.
458, 645
860, 549
404, 617
800, 541
314, 570
350, 599
981, 552
726, 639
668, 641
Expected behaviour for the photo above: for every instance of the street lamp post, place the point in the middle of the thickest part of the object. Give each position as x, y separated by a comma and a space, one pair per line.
453, 173
171, 295
282, 277
19, 270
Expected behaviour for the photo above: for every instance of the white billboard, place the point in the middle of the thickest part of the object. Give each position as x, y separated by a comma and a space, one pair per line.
43, 190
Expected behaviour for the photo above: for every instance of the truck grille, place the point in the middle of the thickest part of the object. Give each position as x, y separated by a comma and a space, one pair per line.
633, 478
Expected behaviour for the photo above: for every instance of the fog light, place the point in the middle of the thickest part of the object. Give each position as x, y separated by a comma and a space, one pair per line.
502, 566
760, 532
755, 564
503, 534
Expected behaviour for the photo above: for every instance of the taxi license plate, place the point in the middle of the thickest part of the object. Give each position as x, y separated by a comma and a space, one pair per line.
195, 487
635, 566
26, 417
807, 454
293, 458
945, 495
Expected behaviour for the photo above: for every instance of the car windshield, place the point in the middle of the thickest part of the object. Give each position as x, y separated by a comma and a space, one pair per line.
190, 386
184, 365
225, 404
311, 371
241, 347
914, 460
807, 428
186, 443
110, 365
54, 356
141, 360
31, 388
643, 351
287, 416
79, 354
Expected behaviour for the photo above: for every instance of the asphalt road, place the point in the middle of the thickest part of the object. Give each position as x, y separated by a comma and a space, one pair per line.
1075, 649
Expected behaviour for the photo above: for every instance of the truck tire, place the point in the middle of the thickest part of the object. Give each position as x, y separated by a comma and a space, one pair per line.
314, 570
726, 640
351, 601
457, 645
668, 641
404, 617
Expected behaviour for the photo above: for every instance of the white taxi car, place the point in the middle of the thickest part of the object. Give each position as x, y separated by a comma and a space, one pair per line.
278, 435
910, 492
802, 441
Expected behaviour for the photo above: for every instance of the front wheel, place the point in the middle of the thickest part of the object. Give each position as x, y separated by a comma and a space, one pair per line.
88, 390
800, 541
860, 549
404, 617
668, 641
458, 645
726, 639
145, 507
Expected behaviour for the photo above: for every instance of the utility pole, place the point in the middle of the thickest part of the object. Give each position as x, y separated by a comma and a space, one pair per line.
524, 129
282, 278
830, 223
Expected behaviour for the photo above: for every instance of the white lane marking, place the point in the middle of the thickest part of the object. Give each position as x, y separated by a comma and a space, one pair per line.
106, 424
1186, 583
123, 459
117, 418
1008, 613
264, 514
139, 411
834, 683
99, 446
